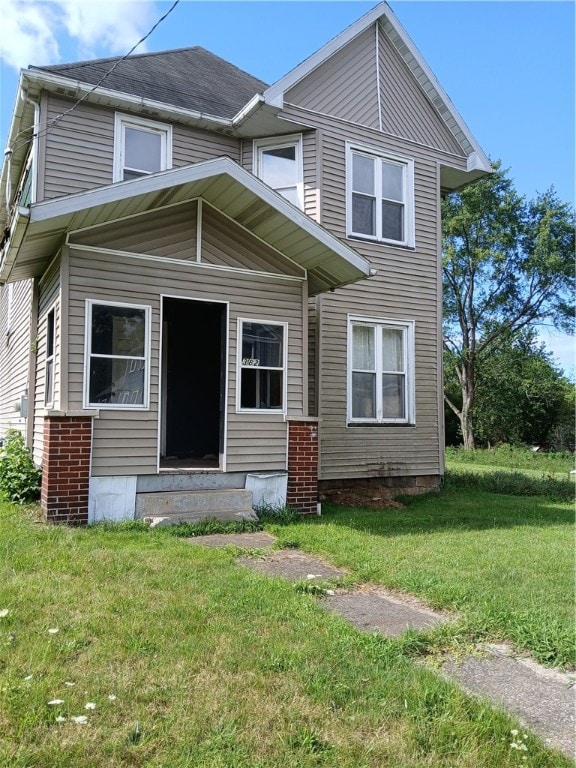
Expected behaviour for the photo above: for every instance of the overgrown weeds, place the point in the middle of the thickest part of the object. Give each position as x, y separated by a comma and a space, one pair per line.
511, 483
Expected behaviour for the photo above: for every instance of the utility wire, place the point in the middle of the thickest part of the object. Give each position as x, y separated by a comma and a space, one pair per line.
107, 74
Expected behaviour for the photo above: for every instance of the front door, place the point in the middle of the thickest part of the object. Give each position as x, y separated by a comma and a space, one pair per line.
193, 397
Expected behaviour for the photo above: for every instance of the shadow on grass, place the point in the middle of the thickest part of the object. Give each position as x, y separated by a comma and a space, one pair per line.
450, 509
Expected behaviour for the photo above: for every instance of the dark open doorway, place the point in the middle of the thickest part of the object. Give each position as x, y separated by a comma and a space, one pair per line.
193, 379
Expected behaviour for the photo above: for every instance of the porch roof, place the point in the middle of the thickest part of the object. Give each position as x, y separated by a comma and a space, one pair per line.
38, 232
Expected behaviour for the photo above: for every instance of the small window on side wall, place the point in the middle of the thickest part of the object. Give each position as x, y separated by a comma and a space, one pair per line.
278, 162
50, 336
380, 197
381, 371
261, 365
117, 356
141, 147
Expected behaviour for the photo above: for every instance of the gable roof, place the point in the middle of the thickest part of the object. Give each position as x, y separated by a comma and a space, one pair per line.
40, 230
191, 78
383, 14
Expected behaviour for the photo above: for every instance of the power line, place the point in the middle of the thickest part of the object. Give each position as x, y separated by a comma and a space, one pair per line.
107, 74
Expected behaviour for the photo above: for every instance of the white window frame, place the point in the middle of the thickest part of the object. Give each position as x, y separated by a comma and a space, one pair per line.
409, 240
50, 358
164, 130
282, 142
408, 327
145, 405
240, 366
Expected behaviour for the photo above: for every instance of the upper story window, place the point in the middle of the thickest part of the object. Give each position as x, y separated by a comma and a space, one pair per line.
278, 162
117, 355
379, 196
140, 147
380, 371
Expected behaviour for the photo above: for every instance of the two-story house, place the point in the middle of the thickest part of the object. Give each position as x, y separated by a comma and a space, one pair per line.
205, 279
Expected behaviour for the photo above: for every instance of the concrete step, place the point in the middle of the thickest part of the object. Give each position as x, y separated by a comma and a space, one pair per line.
164, 508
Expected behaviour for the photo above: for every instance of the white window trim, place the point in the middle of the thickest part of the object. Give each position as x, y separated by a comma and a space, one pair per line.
261, 321
121, 121
145, 405
409, 240
281, 142
409, 393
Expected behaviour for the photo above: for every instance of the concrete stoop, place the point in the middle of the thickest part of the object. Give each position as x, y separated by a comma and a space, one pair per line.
170, 507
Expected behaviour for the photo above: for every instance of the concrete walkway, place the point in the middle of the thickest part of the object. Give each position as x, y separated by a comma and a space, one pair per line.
542, 699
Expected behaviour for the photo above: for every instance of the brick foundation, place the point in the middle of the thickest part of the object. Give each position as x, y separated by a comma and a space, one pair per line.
66, 469
302, 491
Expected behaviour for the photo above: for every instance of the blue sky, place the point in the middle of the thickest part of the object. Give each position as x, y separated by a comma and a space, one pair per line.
507, 66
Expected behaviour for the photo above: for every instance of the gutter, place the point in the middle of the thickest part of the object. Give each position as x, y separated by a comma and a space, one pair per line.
50, 81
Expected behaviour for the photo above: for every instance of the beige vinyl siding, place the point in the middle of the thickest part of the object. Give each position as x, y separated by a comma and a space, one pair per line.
404, 288
345, 85
313, 349
14, 352
168, 232
126, 442
80, 147
406, 110
48, 298
225, 242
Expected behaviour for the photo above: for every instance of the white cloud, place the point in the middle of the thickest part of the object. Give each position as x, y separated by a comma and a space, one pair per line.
33, 30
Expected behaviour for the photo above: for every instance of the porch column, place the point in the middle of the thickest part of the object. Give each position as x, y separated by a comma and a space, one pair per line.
66, 466
302, 491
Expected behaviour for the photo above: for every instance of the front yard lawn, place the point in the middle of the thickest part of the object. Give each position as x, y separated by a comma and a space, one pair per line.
504, 563
134, 648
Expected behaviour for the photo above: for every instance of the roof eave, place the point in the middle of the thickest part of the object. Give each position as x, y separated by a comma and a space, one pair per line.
341, 265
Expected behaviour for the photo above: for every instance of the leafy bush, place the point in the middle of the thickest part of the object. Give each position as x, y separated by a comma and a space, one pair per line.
19, 476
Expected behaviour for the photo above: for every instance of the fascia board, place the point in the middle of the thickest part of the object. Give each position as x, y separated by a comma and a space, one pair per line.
434, 91
67, 206
50, 81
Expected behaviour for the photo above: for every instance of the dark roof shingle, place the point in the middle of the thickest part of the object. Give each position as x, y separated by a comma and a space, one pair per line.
192, 78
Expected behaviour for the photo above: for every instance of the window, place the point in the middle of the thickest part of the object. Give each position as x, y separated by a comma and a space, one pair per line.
261, 365
381, 378
49, 383
140, 147
279, 164
117, 355
380, 197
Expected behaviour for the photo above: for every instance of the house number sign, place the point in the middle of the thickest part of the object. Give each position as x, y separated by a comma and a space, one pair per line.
251, 362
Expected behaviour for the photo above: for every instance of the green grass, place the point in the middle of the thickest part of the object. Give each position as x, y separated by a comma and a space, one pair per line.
213, 665
504, 563
514, 458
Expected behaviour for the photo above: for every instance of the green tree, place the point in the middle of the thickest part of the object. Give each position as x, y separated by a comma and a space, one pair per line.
521, 396
508, 264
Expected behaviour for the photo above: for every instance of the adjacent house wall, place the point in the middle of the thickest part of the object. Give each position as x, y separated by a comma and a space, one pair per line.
15, 341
